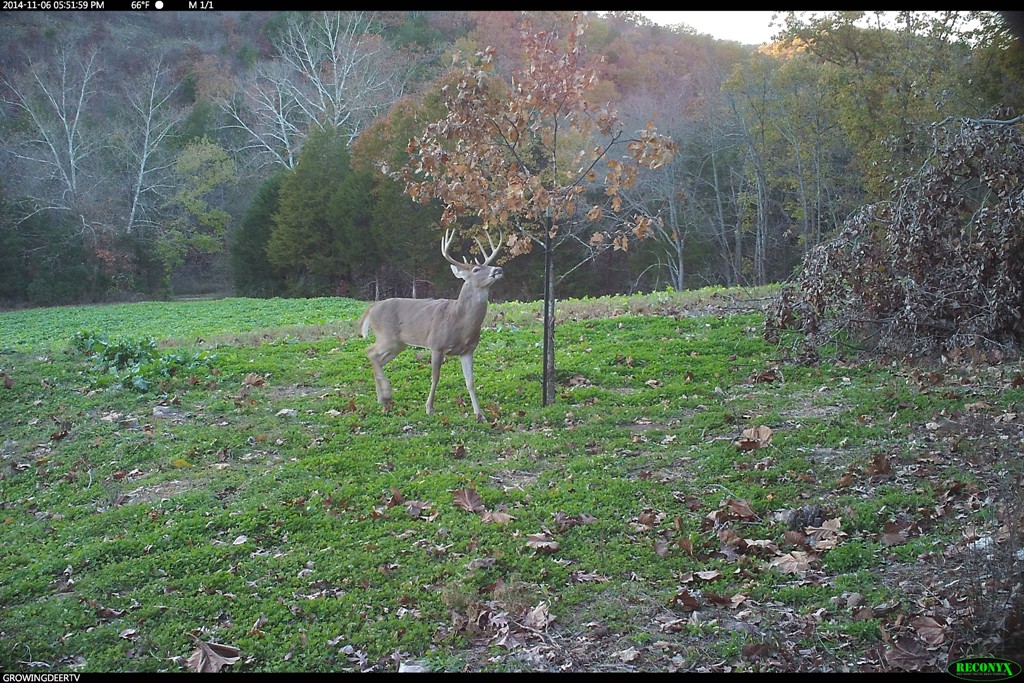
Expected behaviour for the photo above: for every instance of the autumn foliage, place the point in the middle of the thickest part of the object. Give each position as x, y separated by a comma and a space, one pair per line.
512, 153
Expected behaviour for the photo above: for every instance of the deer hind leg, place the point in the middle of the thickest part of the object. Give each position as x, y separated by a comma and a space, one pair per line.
380, 356
467, 372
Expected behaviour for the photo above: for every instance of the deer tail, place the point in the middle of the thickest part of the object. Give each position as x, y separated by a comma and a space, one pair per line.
364, 323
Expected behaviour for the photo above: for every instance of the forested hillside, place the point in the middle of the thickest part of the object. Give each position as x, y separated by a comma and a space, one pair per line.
268, 153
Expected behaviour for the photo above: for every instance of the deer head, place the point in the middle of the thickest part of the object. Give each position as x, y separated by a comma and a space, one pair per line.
448, 327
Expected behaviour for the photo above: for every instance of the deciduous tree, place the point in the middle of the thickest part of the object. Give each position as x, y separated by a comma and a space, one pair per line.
333, 70
517, 156
203, 168
55, 145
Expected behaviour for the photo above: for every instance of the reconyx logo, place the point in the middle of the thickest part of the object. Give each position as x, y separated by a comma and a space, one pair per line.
984, 669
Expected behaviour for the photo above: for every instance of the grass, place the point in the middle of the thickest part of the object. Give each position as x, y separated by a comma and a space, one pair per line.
179, 474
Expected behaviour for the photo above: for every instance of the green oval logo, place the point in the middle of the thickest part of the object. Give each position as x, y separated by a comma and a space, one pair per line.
983, 669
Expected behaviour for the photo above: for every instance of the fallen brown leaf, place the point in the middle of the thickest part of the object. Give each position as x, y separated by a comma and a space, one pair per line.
826, 536
880, 466
740, 508
538, 618
755, 652
469, 500
685, 600
907, 654
211, 657
418, 509
795, 562
863, 614
257, 626
930, 631
63, 428
542, 543
754, 438
718, 600
894, 533
794, 538
489, 517
769, 375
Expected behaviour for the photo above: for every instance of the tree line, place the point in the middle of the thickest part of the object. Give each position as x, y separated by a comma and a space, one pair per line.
261, 153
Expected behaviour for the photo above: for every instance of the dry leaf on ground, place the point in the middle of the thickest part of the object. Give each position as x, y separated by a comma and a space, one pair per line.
211, 657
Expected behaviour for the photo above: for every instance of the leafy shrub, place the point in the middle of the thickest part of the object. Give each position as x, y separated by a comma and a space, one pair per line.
938, 268
137, 364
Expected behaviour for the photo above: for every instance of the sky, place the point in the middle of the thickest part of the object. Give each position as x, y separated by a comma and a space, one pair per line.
749, 28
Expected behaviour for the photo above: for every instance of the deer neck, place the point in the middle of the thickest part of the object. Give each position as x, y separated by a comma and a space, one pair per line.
472, 303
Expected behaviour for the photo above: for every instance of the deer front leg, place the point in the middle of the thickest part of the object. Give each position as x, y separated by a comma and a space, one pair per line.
467, 372
436, 360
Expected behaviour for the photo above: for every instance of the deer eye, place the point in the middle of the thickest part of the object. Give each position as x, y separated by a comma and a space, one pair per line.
477, 269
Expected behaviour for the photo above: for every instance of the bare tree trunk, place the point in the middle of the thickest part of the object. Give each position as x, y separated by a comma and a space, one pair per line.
761, 235
680, 264
737, 251
156, 121
732, 256
548, 381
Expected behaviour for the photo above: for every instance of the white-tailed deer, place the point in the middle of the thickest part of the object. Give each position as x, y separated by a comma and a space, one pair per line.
448, 327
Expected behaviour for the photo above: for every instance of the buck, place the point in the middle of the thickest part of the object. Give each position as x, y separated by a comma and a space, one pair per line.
448, 327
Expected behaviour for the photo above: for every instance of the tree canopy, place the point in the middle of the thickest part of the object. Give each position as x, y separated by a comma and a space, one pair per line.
774, 147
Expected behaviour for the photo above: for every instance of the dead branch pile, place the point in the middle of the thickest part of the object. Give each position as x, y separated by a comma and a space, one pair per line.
938, 269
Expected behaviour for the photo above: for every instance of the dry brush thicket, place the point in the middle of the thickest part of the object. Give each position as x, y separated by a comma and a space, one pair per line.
937, 269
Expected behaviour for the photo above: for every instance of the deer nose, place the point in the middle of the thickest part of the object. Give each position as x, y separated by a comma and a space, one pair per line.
498, 272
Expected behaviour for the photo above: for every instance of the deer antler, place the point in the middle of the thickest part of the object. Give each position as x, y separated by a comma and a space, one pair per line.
494, 248
449, 236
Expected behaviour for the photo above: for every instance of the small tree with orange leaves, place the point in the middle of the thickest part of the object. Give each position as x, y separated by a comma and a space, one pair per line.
518, 156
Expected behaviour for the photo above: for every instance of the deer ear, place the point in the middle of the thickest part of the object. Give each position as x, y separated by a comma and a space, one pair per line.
458, 272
